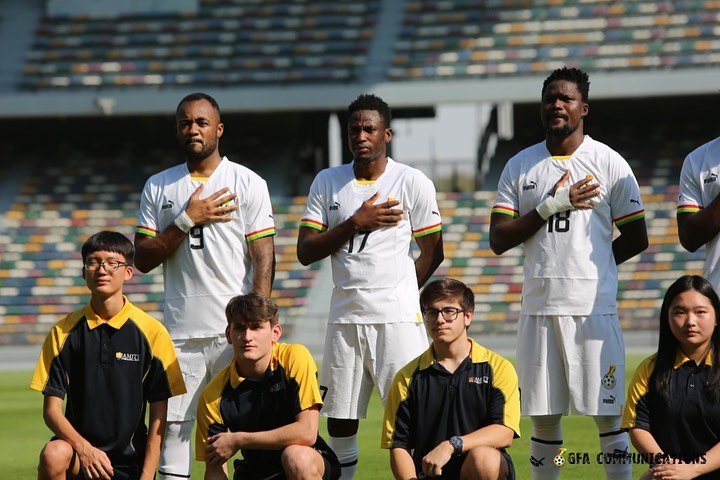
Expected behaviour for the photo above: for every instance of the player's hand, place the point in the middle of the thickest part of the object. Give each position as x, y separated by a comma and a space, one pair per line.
221, 447
435, 460
95, 463
583, 194
218, 207
675, 471
371, 216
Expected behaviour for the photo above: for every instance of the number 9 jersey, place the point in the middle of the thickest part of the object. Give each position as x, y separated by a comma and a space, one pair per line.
569, 265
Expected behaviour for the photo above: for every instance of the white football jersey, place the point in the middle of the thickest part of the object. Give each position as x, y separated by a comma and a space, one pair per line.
569, 265
699, 185
374, 273
212, 264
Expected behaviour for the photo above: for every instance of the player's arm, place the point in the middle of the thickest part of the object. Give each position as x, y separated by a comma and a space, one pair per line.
495, 435
698, 228
262, 256
507, 232
303, 431
431, 256
156, 430
402, 465
152, 251
314, 245
93, 461
632, 240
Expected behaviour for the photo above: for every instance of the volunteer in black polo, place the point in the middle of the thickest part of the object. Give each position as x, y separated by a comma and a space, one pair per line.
111, 359
455, 408
673, 409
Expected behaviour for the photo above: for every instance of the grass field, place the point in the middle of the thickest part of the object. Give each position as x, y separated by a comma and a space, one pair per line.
24, 434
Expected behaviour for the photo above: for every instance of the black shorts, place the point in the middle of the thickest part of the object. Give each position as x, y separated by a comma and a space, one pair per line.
245, 470
451, 470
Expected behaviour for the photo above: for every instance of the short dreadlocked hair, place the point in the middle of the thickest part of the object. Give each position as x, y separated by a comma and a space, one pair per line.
371, 102
574, 75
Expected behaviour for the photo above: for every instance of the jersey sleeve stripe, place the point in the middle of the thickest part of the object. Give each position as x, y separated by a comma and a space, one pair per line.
630, 218
260, 234
427, 230
505, 211
689, 208
146, 231
305, 222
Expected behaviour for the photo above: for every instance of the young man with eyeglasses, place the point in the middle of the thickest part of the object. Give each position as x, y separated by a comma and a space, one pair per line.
364, 216
111, 359
452, 411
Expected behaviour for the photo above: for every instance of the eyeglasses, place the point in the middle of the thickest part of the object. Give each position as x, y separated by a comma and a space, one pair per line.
448, 313
111, 266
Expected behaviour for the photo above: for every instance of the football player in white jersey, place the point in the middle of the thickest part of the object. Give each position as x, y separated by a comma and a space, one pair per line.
364, 216
698, 208
560, 199
209, 222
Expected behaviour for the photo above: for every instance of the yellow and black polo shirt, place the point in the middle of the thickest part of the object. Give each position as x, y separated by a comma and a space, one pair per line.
428, 405
689, 426
109, 371
236, 404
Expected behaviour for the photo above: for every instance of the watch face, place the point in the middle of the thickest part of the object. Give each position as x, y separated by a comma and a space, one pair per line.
457, 444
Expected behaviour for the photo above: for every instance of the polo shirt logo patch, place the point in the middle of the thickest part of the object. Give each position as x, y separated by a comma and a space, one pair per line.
127, 357
479, 380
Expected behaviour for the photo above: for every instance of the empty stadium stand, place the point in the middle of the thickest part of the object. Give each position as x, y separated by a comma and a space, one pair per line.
473, 38
228, 42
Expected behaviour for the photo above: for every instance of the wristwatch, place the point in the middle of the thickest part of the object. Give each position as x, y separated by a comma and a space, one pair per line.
457, 444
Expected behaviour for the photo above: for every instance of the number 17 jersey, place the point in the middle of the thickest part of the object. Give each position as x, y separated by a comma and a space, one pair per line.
374, 272
569, 265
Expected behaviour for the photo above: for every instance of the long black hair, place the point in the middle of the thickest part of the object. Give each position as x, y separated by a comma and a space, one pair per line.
668, 345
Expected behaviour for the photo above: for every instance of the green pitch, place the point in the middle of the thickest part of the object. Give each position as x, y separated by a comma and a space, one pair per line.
24, 434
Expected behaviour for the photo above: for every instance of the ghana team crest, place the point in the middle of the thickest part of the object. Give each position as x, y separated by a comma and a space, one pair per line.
608, 380
559, 460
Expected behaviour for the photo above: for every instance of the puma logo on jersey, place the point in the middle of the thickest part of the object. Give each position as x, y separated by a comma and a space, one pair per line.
435, 213
635, 200
609, 401
167, 205
710, 179
531, 186
336, 206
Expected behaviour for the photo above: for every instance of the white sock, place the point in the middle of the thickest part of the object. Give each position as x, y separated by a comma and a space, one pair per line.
347, 451
545, 444
615, 445
176, 455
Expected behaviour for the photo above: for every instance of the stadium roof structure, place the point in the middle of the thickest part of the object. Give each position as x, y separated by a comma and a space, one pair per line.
324, 97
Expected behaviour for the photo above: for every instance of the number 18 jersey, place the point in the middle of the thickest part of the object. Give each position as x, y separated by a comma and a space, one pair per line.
569, 265
374, 272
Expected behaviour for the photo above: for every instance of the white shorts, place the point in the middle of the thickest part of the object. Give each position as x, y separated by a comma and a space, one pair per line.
359, 356
200, 360
563, 358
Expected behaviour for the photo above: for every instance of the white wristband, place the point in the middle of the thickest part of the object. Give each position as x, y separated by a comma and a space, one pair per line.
184, 222
555, 204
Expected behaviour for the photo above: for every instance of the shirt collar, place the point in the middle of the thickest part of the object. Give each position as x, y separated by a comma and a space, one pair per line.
427, 359
680, 359
116, 322
236, 379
